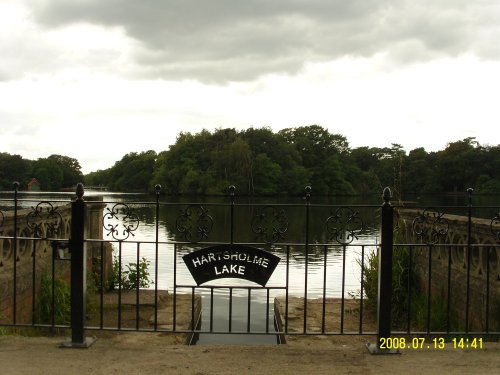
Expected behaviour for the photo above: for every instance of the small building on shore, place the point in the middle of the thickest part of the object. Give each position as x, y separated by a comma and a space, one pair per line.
33, 185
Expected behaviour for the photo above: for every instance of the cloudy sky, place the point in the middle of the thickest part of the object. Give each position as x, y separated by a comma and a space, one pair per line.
95, 79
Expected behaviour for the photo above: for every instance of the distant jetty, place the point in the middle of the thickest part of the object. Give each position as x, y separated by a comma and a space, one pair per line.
87, 188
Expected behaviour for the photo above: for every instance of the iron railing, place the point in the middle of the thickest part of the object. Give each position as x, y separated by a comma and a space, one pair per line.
311, 293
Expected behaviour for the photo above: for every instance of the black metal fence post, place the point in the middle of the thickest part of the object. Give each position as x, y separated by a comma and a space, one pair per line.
308, 190
469, 256
232, 189
385, 277
157, 239
78, 273
16, 256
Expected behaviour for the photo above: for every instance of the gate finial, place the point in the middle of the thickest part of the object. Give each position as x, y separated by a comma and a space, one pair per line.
79, 192
387, 195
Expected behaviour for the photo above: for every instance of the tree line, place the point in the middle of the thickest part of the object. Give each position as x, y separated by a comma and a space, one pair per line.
259, 161
53, 173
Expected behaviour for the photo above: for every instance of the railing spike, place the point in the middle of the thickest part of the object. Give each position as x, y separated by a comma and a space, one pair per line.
79, 192
387, 194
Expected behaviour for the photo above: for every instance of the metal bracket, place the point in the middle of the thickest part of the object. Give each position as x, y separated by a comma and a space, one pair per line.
58, 250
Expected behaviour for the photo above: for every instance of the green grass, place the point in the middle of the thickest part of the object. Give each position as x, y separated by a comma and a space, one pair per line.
62, 301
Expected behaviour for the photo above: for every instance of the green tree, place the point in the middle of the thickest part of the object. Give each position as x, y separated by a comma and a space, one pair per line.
421, 172
316, 146
98, 178
135, 171
177, 168
366, 158
293, 176
70, 169
335, 178
459, 164
294, 180
315, 143
49, 173
366, 161
390, 167
267, 175
487, 185
14, 168
240, 166
259, 161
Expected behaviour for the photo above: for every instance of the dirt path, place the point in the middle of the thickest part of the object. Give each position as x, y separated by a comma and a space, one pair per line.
146, 353
156, 353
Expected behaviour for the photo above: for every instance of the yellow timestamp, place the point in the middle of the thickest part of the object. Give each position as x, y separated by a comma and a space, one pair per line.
430, 343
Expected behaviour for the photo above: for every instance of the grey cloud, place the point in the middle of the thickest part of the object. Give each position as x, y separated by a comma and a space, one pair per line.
24, 53
222, 40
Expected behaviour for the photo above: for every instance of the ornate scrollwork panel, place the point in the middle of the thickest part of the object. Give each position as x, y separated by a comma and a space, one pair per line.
194, 223
44, 220
270, 224
120, 221
344, 226
430, 226
495, 226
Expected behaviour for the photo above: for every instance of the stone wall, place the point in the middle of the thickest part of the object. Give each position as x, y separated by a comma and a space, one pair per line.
449, 266
36, 230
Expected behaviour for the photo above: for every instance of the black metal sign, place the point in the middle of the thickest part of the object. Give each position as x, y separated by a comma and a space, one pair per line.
226, 261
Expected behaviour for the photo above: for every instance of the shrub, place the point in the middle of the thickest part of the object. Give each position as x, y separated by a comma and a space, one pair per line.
402, 277
132, 274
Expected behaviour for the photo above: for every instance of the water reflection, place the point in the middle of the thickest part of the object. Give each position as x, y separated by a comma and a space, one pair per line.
322, 251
